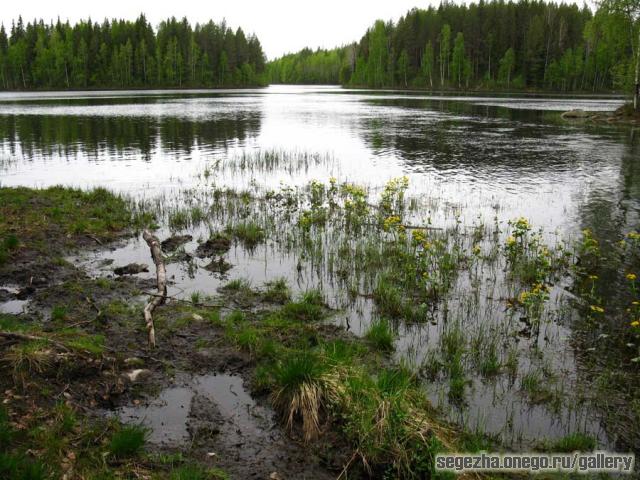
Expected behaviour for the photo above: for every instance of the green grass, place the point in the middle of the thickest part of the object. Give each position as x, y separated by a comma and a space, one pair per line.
238, 285
19, 467
94, 344
380, 334
54, 212
277, 291
58, 313
302, 311
6, 432
574, 442
197, 472
128, 441
250, 234
298, 390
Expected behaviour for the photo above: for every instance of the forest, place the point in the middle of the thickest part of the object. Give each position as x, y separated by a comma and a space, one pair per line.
496, 44
126, 54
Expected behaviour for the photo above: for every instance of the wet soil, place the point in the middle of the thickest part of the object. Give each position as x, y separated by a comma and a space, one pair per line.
196, 393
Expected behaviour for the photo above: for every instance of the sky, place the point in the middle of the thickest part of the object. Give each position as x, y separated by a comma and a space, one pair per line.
281, 25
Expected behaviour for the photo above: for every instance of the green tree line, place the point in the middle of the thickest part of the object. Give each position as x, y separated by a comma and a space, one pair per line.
125, 54
495, 44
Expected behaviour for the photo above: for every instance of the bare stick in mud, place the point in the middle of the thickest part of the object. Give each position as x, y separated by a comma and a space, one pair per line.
161, 275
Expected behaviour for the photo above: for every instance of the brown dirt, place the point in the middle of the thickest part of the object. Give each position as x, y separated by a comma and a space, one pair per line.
96, 387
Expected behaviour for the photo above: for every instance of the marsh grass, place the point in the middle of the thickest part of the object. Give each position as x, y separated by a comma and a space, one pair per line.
300, 390
381, 335
56, 211
574, 442
250, 234
277, 291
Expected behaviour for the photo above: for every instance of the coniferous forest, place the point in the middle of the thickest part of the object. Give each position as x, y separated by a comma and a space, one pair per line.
126, 54
496, 44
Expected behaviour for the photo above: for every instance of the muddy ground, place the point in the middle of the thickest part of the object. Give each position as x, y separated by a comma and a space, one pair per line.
245, 438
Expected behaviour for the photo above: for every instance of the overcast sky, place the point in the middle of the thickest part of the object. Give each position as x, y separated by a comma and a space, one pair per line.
282, 25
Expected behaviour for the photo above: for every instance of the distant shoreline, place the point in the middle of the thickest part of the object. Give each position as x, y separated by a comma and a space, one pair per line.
445, 92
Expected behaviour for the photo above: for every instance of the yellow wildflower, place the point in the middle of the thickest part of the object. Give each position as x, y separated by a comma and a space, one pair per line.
597, 309
631, 276
635, 323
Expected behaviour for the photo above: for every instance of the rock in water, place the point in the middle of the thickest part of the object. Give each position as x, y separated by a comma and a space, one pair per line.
575, 114
171, 243
216, 245
219, 266
131, 269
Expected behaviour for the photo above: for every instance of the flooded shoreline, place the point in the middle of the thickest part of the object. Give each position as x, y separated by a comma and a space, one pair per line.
498, 244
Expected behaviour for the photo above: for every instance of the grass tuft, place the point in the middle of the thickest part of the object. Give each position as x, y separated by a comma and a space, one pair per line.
128, 441
574, 442
299, 391
380, 334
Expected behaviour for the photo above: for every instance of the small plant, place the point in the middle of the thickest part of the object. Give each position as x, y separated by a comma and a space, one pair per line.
250, 234
574, 442
302, 311
381, 335
299, 390
237, 285
197, 472
179, 220
195, 298
128, 441
277, 291
58, 313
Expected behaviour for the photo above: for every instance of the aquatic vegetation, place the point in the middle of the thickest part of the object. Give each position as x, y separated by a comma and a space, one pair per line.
309, 308
575, 442
277, 291
249, 233
381, 335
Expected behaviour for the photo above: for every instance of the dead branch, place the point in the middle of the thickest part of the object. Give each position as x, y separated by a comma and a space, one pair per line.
24, 337
161, 276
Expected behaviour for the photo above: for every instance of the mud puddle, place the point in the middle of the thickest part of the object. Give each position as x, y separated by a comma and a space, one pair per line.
9, 301
213, 404
215, 418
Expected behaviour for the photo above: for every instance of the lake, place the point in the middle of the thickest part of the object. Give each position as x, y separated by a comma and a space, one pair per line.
473, 164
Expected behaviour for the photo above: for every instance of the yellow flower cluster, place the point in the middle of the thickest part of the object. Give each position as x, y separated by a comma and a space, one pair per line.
597, 309
633, 235
635, 323
631, 276
476, 250
511, 240
538, 292
522, 224
391, 223
524, 296
418, 236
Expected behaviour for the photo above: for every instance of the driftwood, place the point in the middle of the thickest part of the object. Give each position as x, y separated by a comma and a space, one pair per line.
24, 337
161, 275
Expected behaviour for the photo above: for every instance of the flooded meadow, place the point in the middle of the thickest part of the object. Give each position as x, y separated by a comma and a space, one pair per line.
483, 243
